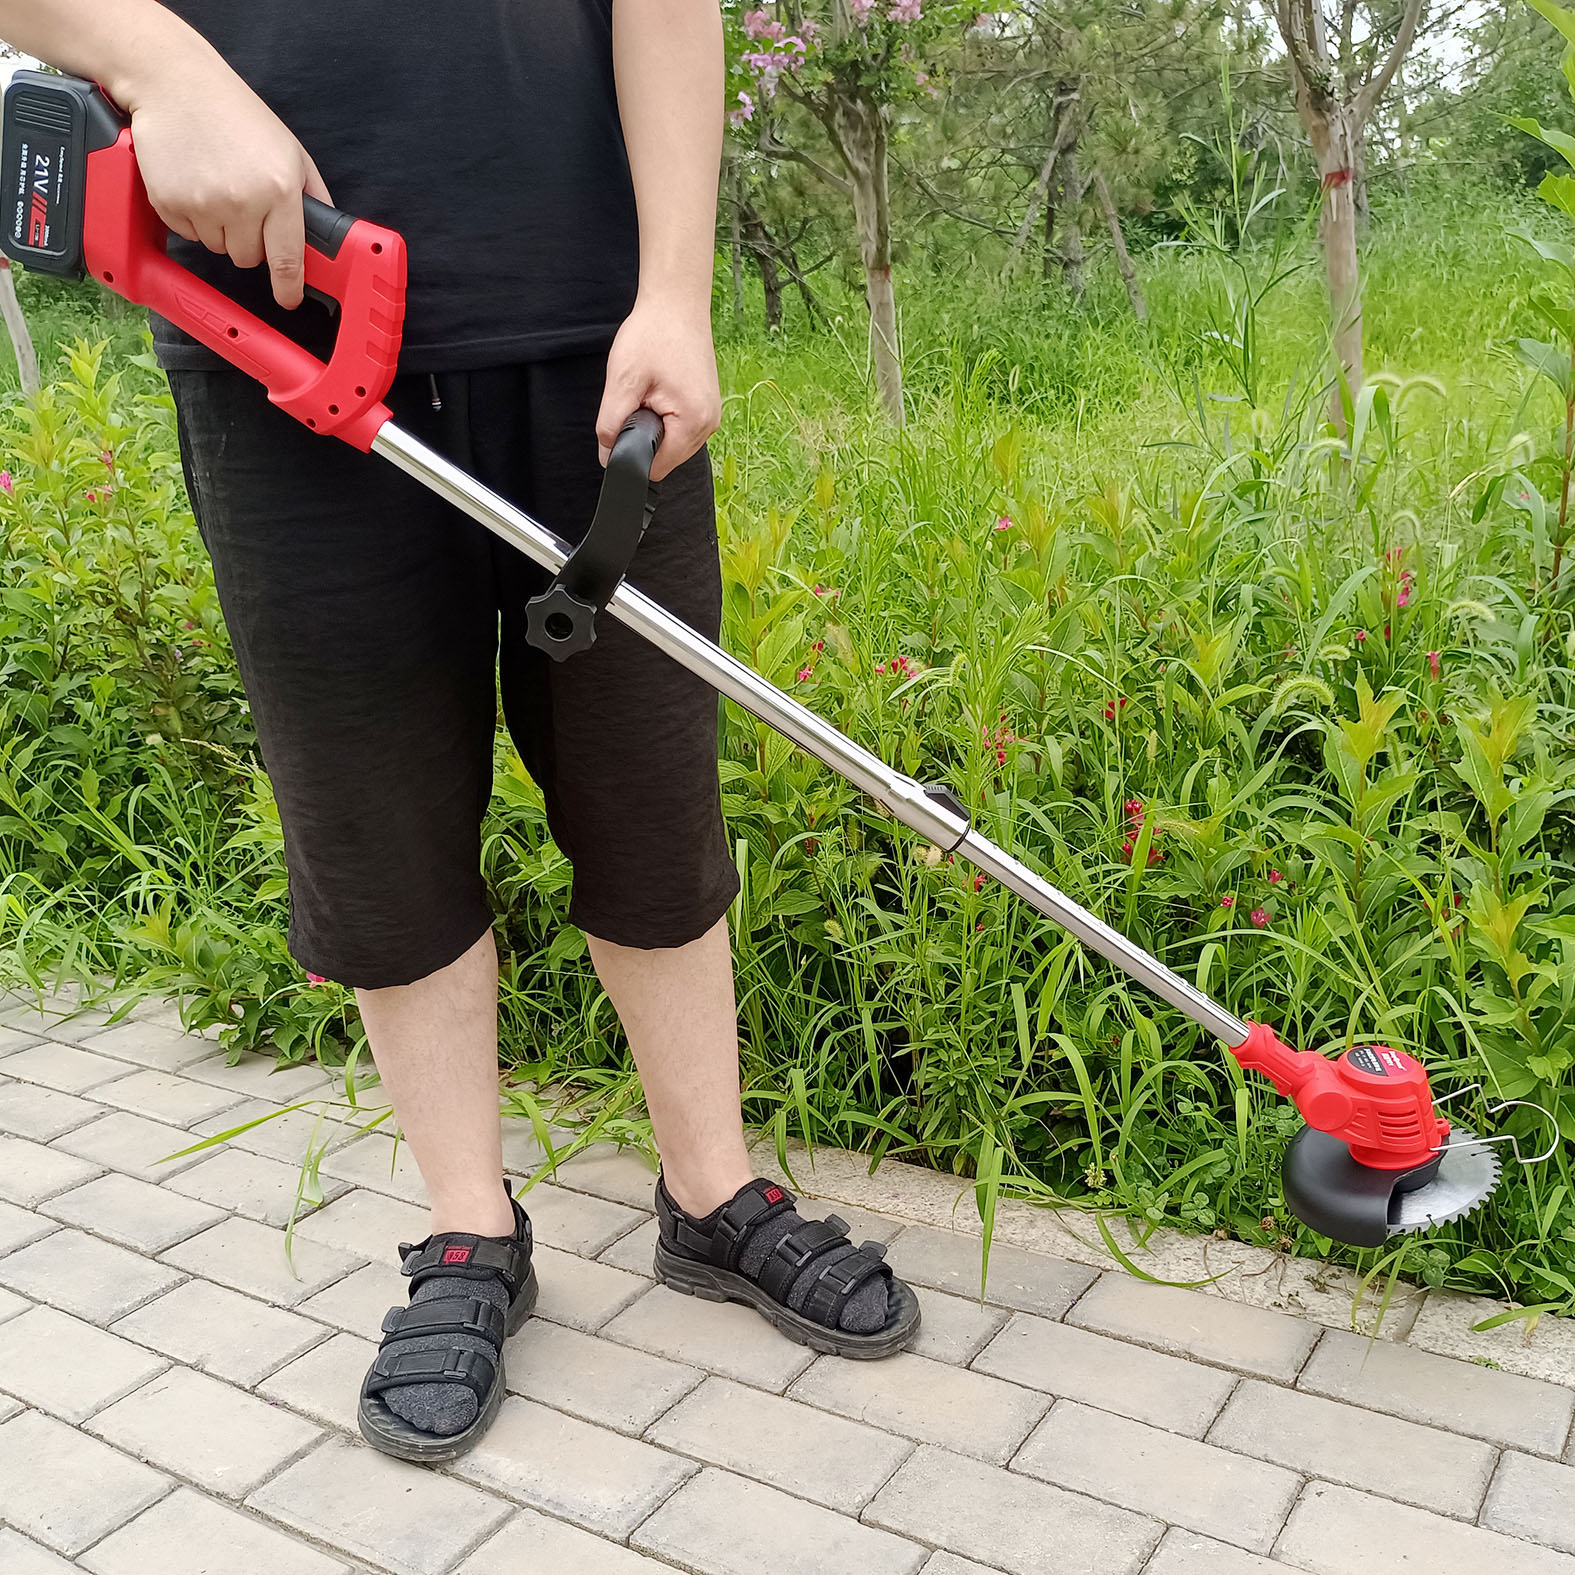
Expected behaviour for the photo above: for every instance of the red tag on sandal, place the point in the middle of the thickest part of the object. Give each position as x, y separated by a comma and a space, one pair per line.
456, 1255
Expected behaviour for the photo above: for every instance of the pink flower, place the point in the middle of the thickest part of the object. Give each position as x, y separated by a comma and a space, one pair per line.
315, 978
7, 486
1433, 662
1004, 523
108, 456
904, 10
819, 645
1259, 917
1275, 877
1114, 707
744, 111
805, 674
861, 10
979, 880
759, 24
1360, 637
1404, 598
880, 667
1227, 902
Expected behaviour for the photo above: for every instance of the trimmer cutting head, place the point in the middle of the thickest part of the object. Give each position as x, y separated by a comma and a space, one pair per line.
1363, 1206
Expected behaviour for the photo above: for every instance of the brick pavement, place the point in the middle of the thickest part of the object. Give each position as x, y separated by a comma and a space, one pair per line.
182, 1341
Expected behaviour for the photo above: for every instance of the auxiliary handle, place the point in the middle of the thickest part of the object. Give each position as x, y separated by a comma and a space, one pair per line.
68, 153
562, 620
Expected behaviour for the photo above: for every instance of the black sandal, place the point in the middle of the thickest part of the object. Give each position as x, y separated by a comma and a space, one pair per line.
458, 1255
705, 1264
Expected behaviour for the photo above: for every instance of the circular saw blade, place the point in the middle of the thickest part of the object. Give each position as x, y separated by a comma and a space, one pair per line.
1467, 1176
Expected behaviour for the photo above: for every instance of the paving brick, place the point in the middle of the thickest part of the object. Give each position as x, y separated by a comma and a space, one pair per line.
927, 1401
579, 1293
722, 1337
20, 1226
531, 1542
63, 1067
284, 1134
635, 1252
250, 1257
1338, 1531
12, 1306
189, 1534
1522, 1413
1362, 1449
1175, 1479
955, 1329
32, 1111
574, 1222
134, 1213
14, 1039
1186, 1553
209, 1432
359, 1301
66, 1367
260, 1077
950, 1261
325, 1383
1534, 1499
366, 1224
57, 1019
615, 1386
29, 1172
587, 1475
1009, 1521
221, 1332
1130, 1380
1186, 1323
20, 1555
253, 1185
8, 1409
93, 1279
408, 1518
719, 1524
376, 1162
161, 1096
804, 1451
65, 1489
1536, 1347
620, 1175
150, 1044
132, 1144
949, 1564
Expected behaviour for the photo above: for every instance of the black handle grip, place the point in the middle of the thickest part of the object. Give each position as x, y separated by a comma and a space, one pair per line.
326, 227
562, 620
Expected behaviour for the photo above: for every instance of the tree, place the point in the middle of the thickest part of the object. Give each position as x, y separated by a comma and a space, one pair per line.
845, 68
1336, 90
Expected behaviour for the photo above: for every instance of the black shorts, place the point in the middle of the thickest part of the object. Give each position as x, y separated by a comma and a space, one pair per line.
366, 615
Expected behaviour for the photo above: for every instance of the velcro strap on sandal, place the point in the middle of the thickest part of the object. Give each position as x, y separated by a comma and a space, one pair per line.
395, 1368
446, 1315
796, 1252
839, 1279
752, 1205
461, 1256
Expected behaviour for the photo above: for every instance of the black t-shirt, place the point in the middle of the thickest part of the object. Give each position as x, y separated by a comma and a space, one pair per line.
485, 131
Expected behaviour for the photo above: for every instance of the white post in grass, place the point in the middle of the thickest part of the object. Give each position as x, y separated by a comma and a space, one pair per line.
16, 327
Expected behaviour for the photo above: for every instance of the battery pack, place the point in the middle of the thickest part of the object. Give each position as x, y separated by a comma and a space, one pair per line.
50, 126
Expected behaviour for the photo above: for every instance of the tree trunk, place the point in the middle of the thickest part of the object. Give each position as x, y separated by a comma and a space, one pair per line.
1129, 274
1073, 185
16, 327
1065, 101
736, 241
1337, 145
860, 132
763, 249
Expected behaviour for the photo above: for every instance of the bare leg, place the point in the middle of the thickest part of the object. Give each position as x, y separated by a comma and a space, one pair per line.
435, 1043
678, 1010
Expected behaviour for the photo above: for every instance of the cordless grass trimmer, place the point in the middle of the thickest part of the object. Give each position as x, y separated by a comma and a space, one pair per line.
1375, 1158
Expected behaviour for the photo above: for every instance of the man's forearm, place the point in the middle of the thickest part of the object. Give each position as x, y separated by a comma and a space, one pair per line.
667, 56
121, 44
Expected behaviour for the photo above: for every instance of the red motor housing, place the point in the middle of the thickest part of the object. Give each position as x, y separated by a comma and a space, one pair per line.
1376, 1100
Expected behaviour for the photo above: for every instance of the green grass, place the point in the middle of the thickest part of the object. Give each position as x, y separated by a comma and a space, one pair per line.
1217, 654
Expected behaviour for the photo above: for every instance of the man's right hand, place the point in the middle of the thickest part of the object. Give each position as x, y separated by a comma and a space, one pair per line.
222, 169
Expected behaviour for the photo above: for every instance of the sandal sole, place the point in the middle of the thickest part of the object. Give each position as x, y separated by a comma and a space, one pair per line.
689, 1277
393, 1435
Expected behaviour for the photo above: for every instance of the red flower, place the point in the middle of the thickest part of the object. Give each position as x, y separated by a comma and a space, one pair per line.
1114, 707
1259, 917
1360, 637
1227, 902
979, 880
1275, 877
1433, 662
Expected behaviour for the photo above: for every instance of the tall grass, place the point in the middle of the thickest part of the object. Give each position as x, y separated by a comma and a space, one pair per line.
1288, 707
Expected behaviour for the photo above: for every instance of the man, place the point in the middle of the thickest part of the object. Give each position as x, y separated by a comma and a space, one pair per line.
553, 166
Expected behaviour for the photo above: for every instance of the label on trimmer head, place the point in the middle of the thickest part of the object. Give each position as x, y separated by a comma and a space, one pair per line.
1367, 1059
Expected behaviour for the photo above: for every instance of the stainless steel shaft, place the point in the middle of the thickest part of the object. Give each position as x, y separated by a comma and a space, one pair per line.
903, 798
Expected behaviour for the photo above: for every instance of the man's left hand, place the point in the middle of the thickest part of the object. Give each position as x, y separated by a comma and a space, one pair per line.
663, 357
